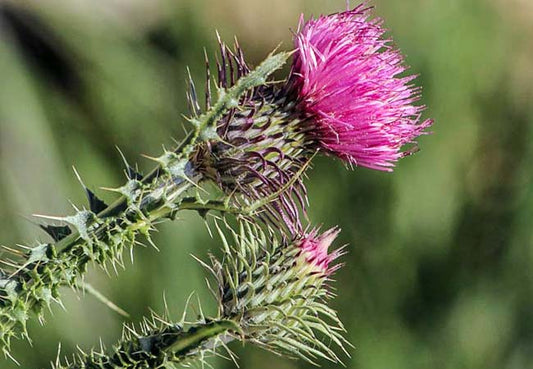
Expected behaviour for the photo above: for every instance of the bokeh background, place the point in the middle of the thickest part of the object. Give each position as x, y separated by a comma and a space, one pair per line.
438, 273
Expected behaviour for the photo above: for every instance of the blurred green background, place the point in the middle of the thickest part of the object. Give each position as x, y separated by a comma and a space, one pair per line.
438, 273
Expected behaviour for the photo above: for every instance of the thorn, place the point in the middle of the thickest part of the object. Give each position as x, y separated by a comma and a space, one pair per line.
11, 357
122, 156
193, 98
12, 251
117, 190
157, 160
73, 206
207, 82
165, 304
196, 185
23, 246
100, 297
50, 217
182, 321
208, 228
78, 177
131, 173
131, 255
58, 363
176, 141
151, 242
10, 264
161, 320
80, 350
202, 315
126, 327
185, 130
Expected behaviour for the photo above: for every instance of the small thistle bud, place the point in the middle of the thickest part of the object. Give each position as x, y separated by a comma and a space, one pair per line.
277, 290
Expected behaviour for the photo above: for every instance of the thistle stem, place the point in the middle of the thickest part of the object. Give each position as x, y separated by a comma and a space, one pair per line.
117, 209
101, 236
170, 344
199, 335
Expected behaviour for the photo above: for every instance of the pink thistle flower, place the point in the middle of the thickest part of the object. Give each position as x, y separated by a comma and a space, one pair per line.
347, 78
315, 250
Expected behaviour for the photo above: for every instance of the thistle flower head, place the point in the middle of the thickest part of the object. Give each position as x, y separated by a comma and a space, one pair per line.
277, 289
258, 148
348, 78
315, 250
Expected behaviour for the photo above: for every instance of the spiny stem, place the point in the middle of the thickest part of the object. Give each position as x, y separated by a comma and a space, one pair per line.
101, 236
160, 347
227, 99
198, 335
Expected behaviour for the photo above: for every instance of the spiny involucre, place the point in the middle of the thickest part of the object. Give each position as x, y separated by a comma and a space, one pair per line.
278, 291
347, 95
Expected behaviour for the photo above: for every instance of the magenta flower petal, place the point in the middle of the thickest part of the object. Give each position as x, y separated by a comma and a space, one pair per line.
315, 248
349, 79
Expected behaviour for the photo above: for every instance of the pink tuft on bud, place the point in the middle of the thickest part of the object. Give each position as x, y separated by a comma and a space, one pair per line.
347, 77
315, 249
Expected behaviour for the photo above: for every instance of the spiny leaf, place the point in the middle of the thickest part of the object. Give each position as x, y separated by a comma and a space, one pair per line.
96, 205
56, 232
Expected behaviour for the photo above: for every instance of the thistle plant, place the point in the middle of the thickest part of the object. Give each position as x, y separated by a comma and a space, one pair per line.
346, 95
